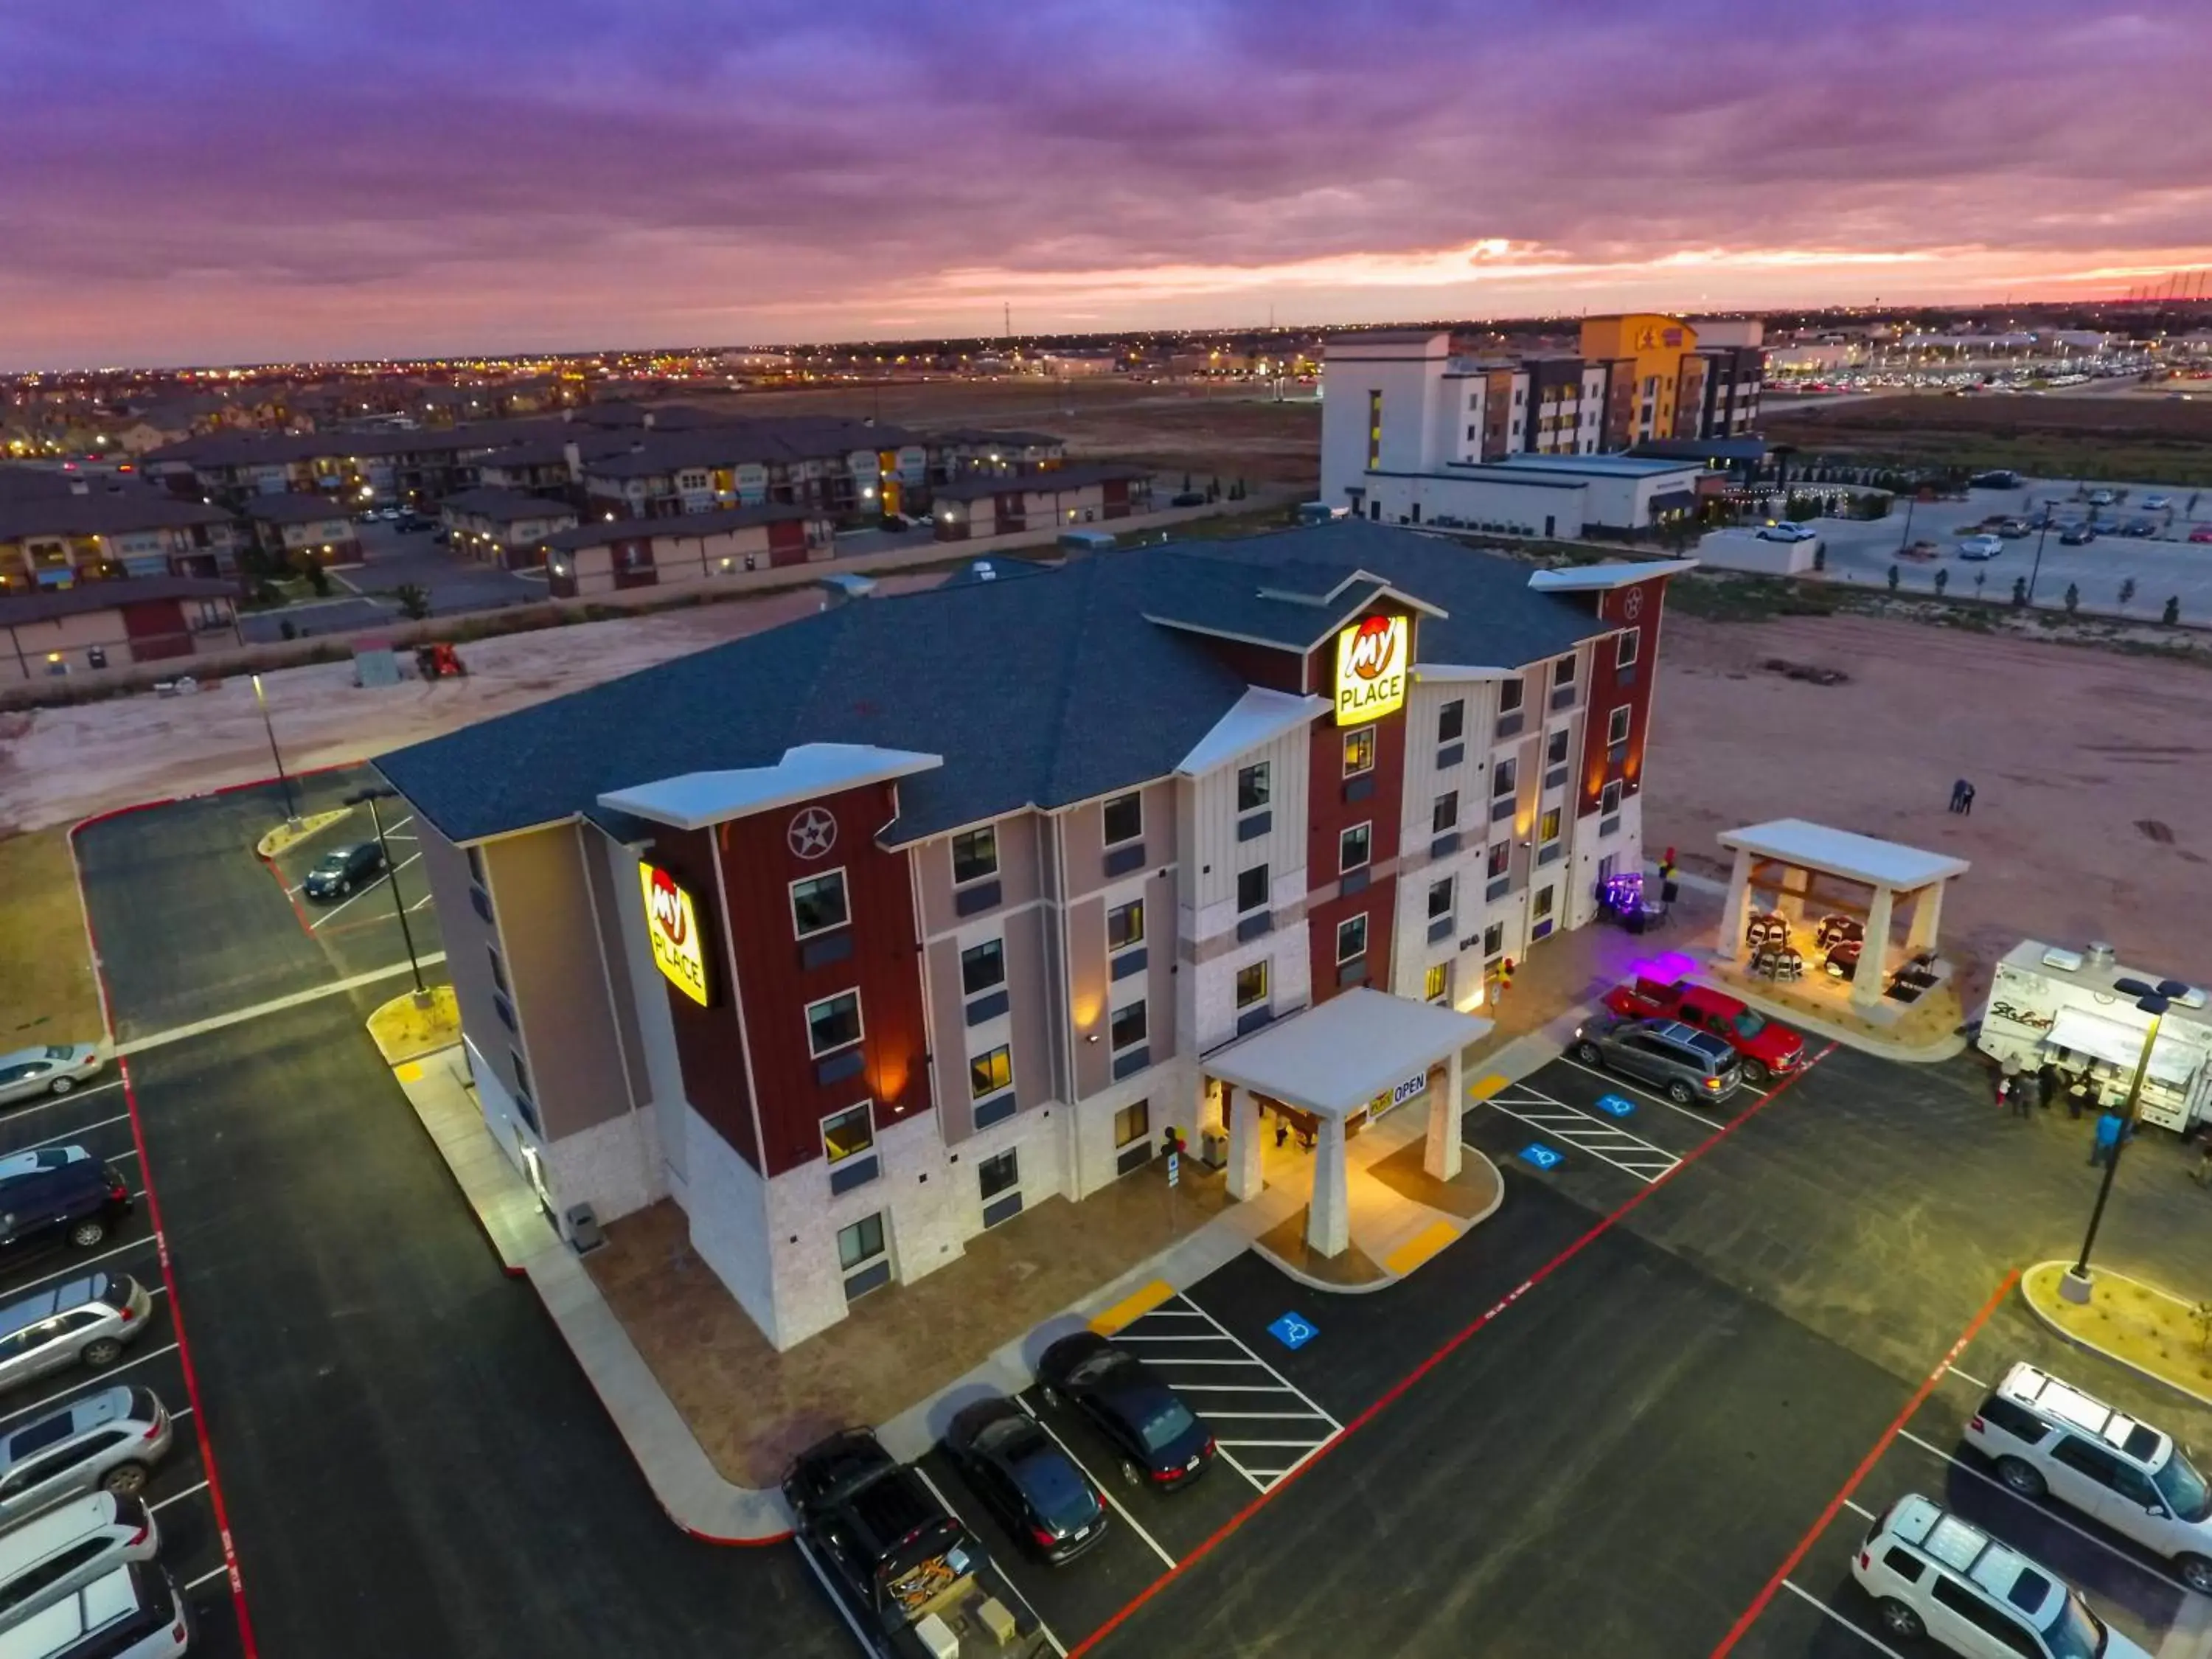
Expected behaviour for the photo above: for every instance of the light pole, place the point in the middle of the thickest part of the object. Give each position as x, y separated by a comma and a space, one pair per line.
2154, 1000
370, 796
291, 811
2041, 535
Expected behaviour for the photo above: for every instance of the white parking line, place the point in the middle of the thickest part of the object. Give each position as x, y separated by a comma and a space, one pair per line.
178, 1497
275, 1004
1613, 1082
75, 1272
206, 1578
69, 1099
1225, 1417
1586, 1133
2048, 1514
1859, 1509
1105, 1489
1265, 1480
806, 1554
25, 1411
82, 1129
1007, 1578
363, 893
1963, 1377
1876, 1643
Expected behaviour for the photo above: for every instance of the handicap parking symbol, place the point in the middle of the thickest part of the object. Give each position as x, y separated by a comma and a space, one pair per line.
1292, 1331
1542, 1157
1614, 1105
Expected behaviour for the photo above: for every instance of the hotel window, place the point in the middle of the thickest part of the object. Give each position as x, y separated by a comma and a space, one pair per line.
1252, 984
1563, 673
1509, 693
1252, 787
1125, 819
1125, 925
1374, 430
1354, 848
1504, 779
1542, 907
1436, 984
860, 1243
1493, 939
1501, 856
1440, 898
1127, 1027
1616, 726
1445, 815
477, 866
975, 855
523, 1091
498, 967
1451, 720
999, 1173
1624, 651
95, 656
987, 1074
849, 1133
1548, 830
818, 903
834, 1023
982, 966
1555, 748
1252, 889
1351, 939
1609, 798
1358, 750
1133, 1123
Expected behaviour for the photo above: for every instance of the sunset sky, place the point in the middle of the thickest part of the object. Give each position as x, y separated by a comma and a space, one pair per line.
237, 180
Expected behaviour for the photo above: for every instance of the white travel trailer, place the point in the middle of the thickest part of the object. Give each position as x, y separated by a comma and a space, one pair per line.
2054, 1006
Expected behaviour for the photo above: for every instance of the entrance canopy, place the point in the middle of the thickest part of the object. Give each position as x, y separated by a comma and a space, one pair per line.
1839, 853
1334, 1059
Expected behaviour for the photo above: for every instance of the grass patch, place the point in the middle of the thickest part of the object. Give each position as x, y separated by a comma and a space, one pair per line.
47, 993
1732, 597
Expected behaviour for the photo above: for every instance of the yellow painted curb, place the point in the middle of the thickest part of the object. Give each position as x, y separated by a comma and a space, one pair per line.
411, 1072
403, 1032
1420, 1247
1483, 1088
284, 836
1130, 1309
2039, 1288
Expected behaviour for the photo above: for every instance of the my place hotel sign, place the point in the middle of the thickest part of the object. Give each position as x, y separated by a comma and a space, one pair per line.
672, 921
1370, 670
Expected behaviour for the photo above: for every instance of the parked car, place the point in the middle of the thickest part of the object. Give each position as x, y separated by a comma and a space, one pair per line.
1763, 1048
91, 1319
1025, 1479
1932, 1574
1980, 547
53, 1069
2201, 534
2012, 530
136, 1612
341, 871
1157, 1438
2000, 479
59, 1191
1788, 533
2076, 535
44, 1558
1186, 498
108, 1440
2156, 503
1686, 1064
2102, 498
2045, 1435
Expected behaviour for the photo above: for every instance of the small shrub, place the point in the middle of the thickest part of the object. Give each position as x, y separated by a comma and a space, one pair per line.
2072, 598
2172, 614
1896, 576
1942, 581
2020, 592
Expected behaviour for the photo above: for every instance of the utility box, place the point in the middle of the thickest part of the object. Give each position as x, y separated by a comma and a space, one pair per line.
585, 1233
1213, 1148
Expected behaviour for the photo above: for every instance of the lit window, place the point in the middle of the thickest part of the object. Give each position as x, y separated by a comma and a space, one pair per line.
1125, 819
1125, 925
1352, 938
975, 855
1501, 856
849, 1133
1436, 984
1131, 1124
834, 1023
1548, 829
819, 903
1358, 750
1354, 848
1128, 1026
987, 1074
1251, 984
982, 966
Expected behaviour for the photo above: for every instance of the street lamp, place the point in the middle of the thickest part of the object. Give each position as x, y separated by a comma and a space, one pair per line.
370, 797
2041, 535
2154, 1000
291, 811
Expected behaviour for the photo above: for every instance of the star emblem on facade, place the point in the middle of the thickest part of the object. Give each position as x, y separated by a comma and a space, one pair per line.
812, 833
1631, 603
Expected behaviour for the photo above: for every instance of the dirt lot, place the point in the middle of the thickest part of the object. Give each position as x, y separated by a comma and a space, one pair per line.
2127, 437
2092, 792
46, 993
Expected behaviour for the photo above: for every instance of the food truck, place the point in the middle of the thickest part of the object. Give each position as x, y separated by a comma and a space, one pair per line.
2053, 1006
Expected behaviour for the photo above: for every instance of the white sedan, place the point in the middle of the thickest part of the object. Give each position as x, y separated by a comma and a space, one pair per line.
1788, 533
1980, 547
57, 1069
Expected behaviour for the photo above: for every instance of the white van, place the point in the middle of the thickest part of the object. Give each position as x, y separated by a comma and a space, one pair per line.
134, 1613
48, 1557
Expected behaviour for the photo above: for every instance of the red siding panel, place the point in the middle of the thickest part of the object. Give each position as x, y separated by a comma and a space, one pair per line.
709, 1043
1640, 607
1328, 814
149, 618
787, 533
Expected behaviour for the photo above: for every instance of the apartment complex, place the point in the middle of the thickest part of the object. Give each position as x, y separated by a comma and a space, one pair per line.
54, 632
857, 936
56, 532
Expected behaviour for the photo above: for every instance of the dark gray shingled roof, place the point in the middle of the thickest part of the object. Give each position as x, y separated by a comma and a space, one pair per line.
605, 532
1043, 691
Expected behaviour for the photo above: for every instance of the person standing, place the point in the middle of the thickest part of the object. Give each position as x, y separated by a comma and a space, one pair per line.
1966, 801
2110, 1127
2201, 1171
2046, 1085
2077, 1096
1958, 794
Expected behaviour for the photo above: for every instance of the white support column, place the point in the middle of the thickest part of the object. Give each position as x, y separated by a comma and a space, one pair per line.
1441, 1156
1328, 1218
1927, 917
1873, 955
1735, 913
1245, 1180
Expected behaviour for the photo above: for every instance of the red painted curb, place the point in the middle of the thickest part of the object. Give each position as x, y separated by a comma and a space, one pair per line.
1448, 1347
1750, 1615
246, 1643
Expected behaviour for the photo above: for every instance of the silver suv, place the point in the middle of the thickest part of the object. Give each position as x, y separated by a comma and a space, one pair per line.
109, 1440
1689, 1065
89, 1318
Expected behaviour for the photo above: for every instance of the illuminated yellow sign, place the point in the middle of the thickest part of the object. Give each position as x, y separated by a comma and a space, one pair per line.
1370, 670
673, 926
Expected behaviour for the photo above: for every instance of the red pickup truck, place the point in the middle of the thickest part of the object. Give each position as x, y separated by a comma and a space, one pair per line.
1765, 1049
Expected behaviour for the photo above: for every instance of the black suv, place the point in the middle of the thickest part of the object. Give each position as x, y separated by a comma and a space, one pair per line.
59, 1190
341, 871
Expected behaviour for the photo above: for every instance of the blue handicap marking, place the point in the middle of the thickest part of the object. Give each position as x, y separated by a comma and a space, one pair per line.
1542, 1157
1614, 1105
1292, 1331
